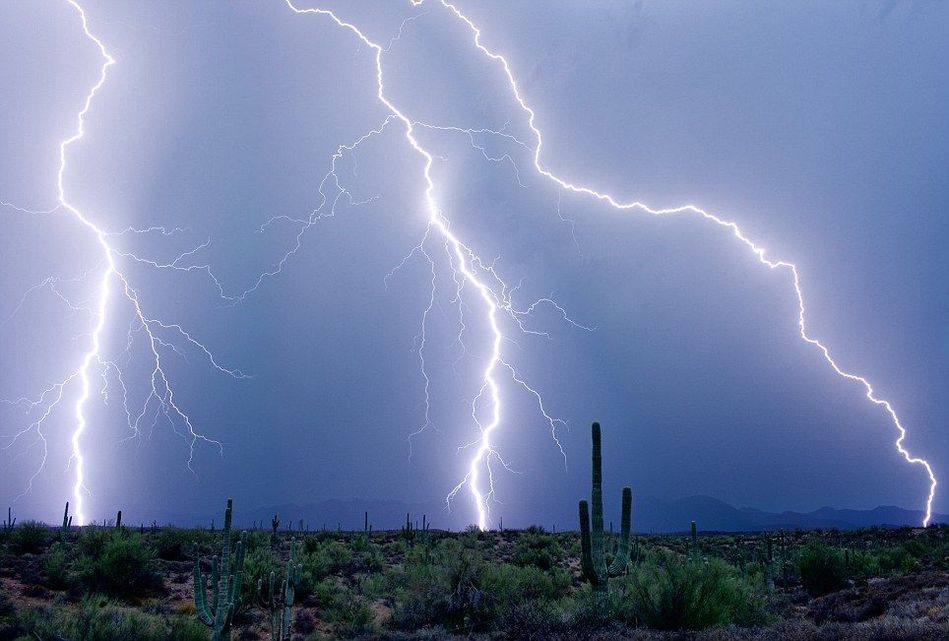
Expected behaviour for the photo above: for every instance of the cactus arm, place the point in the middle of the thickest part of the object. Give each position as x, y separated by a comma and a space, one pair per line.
200, 592
239, 570
586, 555
215, 584
287, 607
622, 555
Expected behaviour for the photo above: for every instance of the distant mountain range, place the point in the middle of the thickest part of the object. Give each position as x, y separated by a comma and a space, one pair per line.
649, 515
711, 514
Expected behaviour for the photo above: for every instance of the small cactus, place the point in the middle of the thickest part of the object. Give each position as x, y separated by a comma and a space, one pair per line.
281, 604
10, 522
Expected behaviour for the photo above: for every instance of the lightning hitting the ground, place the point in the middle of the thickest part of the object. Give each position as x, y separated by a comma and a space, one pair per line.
618, 203
467, 270
468, 274
467, 260
159, 337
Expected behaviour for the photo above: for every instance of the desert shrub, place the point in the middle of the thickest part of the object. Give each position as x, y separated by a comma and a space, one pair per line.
173, 544
56, 567
360, 543
312, 540
346, 611
320, 560
471, 536
368, 560
258, 564
822, 569
446, 591
533, 621
534, 547
461, 592
29, 537
898, 558
124, 568
862, 563
99, 620
507, 585
257, 539
669, 592
93, 540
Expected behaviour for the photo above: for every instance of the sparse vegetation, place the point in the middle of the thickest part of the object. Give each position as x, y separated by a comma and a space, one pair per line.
103, 584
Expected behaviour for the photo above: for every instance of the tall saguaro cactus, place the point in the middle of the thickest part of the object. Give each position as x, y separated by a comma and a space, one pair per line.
227, 576
593, 556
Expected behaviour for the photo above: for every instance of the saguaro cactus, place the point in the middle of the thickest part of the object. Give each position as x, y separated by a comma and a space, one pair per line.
274, 524
10, 522
67, 522
227, 576
281, 604
593, 556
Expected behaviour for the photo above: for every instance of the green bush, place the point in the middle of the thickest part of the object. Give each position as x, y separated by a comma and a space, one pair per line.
505, 586
534, 547
346, 611
898, 558
669, 592
124, 568
172, 544
369, 560
822, 569
258, 564
320, 560
99, 620
861, 563
29, 537
445, 592
56, 567
93, 539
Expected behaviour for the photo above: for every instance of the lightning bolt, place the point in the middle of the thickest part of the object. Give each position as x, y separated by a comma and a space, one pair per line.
160, 395
468, 271
496, 303
469, 275
758, 251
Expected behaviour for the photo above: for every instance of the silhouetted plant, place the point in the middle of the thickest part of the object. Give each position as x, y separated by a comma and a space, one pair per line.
227, 576
822, 569
593, 556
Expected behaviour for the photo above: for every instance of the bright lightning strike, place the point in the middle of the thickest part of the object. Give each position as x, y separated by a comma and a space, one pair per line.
759, 252
468, 270
160, 396
483, 280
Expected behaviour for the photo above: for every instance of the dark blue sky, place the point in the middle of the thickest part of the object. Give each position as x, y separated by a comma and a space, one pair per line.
819, 128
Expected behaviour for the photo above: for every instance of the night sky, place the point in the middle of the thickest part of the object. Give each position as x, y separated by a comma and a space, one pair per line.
820, 128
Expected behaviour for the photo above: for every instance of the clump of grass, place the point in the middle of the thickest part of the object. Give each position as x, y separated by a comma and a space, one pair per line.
96, 619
